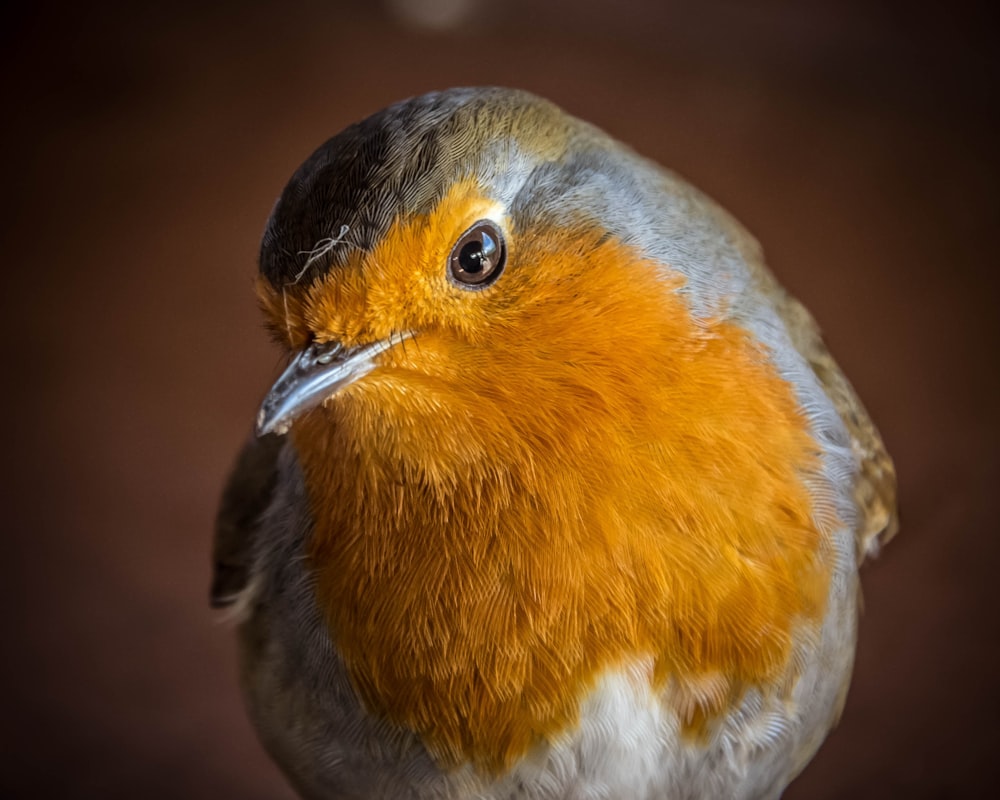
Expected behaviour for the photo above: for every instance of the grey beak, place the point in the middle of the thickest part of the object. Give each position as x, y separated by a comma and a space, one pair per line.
319, 371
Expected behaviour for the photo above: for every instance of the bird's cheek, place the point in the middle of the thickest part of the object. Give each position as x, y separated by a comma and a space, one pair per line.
336, 310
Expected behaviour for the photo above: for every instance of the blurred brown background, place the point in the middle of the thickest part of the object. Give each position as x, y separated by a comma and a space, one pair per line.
143, 147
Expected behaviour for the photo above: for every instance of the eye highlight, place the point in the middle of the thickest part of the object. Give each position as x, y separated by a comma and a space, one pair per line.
478, 257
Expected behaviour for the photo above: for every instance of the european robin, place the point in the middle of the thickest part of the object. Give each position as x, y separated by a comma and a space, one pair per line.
561, 494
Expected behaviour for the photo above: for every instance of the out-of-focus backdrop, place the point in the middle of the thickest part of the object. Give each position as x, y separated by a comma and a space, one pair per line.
143, 147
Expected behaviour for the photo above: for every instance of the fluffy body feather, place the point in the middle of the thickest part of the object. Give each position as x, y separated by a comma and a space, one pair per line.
594, 530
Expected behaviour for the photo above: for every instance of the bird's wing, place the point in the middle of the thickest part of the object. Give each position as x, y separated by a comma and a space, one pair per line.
247, 494
875, 487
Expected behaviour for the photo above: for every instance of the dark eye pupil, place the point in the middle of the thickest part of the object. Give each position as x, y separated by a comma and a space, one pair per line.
475, 256
472, 258
479, 255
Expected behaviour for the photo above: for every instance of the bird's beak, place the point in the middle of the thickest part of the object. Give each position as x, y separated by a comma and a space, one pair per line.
318, 372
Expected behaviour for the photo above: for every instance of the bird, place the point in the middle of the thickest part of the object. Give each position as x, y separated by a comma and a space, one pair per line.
561, 494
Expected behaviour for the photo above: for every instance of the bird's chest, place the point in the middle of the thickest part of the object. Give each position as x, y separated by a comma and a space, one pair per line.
491, 643
476, 595
486, 674
627, 740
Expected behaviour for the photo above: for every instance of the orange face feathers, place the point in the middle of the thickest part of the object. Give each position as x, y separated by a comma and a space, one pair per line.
562, 473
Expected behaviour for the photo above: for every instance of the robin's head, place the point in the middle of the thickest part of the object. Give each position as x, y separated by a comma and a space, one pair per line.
518, 373
473, 276
405, 241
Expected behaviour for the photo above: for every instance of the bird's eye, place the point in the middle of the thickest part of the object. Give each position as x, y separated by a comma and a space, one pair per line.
478, 257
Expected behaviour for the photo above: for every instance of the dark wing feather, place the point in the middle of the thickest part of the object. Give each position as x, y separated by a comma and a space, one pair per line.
247, 494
